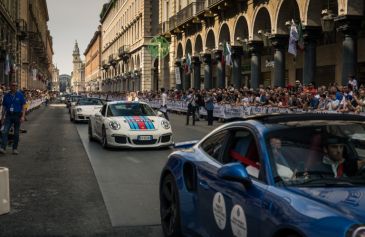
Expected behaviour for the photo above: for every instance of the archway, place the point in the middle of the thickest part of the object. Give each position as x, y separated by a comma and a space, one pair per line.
198, 45
210, 41
188, 48
179, 53
224, 34
288, 11
241, 30
155, 75
262, 24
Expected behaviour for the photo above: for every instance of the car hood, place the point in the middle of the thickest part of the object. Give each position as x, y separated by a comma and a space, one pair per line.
349, 201
139, 122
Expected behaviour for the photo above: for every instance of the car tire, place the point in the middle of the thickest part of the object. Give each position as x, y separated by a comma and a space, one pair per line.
90, 133
104, 140
169, 207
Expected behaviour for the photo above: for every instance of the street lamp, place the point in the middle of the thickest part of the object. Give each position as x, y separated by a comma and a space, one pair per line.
243, 42
265, 37
327, 20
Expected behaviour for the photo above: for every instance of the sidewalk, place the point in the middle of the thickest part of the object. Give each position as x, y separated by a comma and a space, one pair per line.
53, 189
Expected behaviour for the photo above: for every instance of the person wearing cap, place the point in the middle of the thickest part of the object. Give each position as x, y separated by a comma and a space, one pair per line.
334, 159
13, 113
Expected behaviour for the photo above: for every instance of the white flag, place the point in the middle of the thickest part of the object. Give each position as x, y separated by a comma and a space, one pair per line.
34, 74
7, 65
294, 37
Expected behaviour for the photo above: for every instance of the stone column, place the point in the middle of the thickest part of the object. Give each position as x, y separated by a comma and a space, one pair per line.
207, 59
237, 52
310, 36
348, 25
221, 69
178, 65
279, 43
196, 67
255, 48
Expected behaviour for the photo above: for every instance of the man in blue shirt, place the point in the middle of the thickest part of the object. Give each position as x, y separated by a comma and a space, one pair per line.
13, 113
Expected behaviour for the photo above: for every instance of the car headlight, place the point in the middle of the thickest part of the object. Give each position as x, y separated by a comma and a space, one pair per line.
356, 231
78, 109
165, 124
114, 125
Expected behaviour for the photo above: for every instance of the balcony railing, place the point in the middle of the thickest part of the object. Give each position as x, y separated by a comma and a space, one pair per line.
189, 12
172, 23
213, 2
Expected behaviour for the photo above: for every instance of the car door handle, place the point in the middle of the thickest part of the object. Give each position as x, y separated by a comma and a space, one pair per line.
204, 184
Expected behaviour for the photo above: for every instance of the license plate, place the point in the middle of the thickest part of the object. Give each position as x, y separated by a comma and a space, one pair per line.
144, 138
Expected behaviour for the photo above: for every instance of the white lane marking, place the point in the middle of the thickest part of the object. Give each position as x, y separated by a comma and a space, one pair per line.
134, 160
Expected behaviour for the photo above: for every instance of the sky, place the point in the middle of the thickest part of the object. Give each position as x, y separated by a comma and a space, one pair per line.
71, 20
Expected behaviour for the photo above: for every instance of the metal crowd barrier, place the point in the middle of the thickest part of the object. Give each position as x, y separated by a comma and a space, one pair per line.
228, 111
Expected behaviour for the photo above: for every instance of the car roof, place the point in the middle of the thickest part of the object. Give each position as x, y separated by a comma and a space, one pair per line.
299, 117
125, 102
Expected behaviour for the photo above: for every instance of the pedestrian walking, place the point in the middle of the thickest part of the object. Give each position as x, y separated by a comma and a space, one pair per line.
163, 107
13, 113
191, 99
209, 106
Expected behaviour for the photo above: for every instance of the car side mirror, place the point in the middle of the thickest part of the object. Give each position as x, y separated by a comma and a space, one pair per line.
98, 114
160, 114
235, 172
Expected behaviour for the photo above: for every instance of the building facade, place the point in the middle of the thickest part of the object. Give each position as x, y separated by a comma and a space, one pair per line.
78, 73
127, 27
55, 85
255, 37
8, 40
35, 45
93, 63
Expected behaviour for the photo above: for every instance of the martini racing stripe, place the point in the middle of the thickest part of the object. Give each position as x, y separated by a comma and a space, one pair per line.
140, 122
149, 123
132, 124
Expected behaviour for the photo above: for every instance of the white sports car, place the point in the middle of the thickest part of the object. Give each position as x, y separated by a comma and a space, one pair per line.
129, 124
84, 108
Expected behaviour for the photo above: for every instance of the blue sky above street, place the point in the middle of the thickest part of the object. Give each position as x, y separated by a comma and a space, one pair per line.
71, 20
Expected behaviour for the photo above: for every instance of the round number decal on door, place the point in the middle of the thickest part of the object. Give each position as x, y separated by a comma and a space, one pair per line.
238, 222
219, 210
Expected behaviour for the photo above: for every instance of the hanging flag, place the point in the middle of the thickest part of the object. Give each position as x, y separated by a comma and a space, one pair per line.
293, 39
7, 65
227, 53
34, 74
188, 64
300, 36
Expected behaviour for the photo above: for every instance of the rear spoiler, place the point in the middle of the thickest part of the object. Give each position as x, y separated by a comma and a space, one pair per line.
185, 145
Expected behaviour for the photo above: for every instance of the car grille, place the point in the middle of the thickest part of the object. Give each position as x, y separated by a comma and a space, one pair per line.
120, 140
150, 142
165, 138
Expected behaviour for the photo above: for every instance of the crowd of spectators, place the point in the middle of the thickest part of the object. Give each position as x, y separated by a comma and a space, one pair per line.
333, 97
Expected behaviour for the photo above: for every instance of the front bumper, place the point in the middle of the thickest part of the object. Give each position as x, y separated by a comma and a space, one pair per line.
132, 140
82, 117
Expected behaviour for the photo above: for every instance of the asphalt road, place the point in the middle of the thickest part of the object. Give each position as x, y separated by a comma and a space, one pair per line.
129, 179
58, 188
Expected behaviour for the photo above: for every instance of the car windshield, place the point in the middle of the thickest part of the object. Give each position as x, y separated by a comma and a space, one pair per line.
323, 153
130, 109
89, 101
75, 98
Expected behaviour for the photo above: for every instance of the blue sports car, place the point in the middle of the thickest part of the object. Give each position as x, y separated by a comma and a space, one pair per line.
290, 175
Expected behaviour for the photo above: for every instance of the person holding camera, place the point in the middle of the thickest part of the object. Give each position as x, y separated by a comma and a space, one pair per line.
13, 113
191, 99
